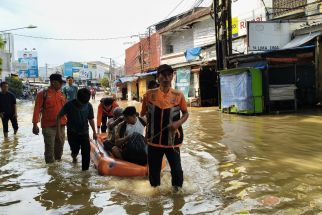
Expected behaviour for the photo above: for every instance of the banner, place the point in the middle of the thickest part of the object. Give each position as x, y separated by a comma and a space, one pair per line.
68, 69
28, 62
183, 81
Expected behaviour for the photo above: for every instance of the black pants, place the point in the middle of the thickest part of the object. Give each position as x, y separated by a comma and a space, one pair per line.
77, 142
155, 156
5, 120
104, 123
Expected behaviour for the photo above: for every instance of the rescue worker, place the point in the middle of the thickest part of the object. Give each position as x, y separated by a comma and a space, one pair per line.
104, 112
162, 107
47, 106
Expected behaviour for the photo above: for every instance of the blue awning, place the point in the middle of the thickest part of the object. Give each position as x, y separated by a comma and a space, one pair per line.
128, 79
262, 65
146, 74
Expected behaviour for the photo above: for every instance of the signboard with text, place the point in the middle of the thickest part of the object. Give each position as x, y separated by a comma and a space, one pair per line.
183, 81
264, 36
241, 14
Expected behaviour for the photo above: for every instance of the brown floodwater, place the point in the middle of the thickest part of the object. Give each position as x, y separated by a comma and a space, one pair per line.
232, 165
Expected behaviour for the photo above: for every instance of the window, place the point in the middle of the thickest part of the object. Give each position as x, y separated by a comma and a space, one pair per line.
169, 49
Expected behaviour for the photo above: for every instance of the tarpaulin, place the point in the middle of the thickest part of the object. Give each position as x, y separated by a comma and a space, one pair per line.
236, 90
192, 53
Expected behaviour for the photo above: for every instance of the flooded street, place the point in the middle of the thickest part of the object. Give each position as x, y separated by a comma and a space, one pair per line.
232, 164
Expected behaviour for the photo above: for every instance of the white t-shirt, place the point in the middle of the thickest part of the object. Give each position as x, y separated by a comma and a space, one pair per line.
137, 127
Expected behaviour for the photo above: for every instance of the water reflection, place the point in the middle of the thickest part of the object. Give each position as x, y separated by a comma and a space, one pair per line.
65, 193
231, 163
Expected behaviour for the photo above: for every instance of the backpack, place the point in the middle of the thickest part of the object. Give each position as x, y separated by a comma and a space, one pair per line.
136, 150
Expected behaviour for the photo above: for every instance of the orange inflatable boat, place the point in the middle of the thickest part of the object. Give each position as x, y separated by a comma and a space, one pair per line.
107, 165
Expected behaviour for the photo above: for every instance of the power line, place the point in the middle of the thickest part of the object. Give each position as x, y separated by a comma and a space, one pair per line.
197, 3
174, 8
73, 39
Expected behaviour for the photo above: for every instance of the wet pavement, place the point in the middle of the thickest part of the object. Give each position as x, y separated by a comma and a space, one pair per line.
232, 165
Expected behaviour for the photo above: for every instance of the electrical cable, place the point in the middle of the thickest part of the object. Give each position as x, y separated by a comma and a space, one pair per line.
174, 8
72, 39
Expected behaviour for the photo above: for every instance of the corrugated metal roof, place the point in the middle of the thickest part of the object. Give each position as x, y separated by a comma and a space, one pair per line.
187, 20
164, 23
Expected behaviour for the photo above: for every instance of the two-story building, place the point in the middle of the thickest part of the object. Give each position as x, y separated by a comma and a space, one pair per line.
188, 45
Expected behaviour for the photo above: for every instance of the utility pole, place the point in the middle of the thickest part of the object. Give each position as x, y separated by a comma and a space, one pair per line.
149, 48
141, 58
46, 70
223, 27
110, 78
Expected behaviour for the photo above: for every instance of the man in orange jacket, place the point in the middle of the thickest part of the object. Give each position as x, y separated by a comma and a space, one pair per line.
166, 111
47, 106
104, 112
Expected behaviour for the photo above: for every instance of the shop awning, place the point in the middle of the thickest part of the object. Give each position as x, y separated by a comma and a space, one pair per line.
146, 74
128, 79
301, 40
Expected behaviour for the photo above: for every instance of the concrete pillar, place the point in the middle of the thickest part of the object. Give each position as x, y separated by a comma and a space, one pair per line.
129, 91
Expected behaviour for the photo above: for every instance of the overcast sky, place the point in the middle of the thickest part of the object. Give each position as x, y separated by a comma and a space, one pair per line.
84, 19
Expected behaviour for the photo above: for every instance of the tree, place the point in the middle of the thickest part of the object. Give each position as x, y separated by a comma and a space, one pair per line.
15, 85
2, 43
105, 82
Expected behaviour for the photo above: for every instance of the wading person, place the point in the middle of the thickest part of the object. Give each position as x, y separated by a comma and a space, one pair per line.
162, 107
47, 106
79, 113
93, 92
8, 109
104, 112
70, 90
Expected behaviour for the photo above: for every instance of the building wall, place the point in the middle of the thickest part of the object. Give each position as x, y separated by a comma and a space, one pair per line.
280, 5
313, 11
180, 41
204, 33
148, 49
5, 64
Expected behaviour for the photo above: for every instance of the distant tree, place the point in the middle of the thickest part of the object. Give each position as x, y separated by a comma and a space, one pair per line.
2, 43
15, 85
105, 82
